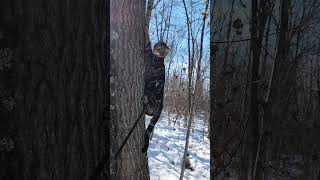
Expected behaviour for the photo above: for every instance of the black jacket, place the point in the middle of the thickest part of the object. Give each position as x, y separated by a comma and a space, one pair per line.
154, 76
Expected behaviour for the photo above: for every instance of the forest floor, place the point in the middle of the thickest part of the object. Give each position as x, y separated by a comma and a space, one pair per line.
167, 147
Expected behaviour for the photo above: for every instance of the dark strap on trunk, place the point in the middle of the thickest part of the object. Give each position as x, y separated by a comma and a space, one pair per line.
104, 160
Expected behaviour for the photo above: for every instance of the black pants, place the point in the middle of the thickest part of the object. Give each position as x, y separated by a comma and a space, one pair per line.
153, 108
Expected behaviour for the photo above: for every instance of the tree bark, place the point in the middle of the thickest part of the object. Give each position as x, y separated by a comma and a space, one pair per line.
127, 68
57, 128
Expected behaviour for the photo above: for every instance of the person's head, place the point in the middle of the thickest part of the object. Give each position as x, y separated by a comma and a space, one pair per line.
161, 49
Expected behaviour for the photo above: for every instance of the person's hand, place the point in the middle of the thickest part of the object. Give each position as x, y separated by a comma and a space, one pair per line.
146, 29
145, 100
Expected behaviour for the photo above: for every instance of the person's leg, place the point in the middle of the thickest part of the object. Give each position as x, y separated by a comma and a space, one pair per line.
150, 128
149, 104
153, 122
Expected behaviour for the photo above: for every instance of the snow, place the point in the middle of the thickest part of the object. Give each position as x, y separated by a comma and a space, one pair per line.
167, 147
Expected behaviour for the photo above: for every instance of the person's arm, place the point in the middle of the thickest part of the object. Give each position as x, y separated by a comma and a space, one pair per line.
147, 48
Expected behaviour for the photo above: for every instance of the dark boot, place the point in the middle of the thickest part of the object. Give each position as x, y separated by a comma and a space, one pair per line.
150, 128
146, 141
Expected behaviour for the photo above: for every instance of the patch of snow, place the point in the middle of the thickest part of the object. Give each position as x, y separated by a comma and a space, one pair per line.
167, 146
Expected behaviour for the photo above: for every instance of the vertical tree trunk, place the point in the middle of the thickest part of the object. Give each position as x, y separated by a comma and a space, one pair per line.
276, 111
127, 68
188, 115
198, 84
189, 107
253, 122
57, 128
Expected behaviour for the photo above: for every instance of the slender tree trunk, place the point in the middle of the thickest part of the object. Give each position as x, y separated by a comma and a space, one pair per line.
127, 68
189, 107
276, 107
57, 128
197, 91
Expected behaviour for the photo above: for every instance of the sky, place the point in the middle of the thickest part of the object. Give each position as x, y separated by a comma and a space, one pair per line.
178, 21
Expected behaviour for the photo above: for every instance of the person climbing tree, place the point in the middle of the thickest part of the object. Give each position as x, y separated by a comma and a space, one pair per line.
154, 79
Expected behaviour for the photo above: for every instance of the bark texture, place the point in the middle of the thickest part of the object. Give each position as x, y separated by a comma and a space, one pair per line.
127, 68
57, 127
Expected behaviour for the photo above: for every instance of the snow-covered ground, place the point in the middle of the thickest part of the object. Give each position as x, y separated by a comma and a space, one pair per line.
166, 150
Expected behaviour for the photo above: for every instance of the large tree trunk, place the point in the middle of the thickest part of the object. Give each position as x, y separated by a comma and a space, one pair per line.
57, 129
127, 68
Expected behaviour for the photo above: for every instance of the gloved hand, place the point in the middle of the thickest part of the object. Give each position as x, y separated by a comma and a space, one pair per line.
145, 100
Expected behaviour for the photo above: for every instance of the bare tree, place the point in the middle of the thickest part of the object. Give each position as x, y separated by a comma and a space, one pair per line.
190, 72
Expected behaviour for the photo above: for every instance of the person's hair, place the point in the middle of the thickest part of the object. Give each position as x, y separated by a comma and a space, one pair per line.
160, 44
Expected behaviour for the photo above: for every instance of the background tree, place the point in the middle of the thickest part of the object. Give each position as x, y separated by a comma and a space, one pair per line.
53, 84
